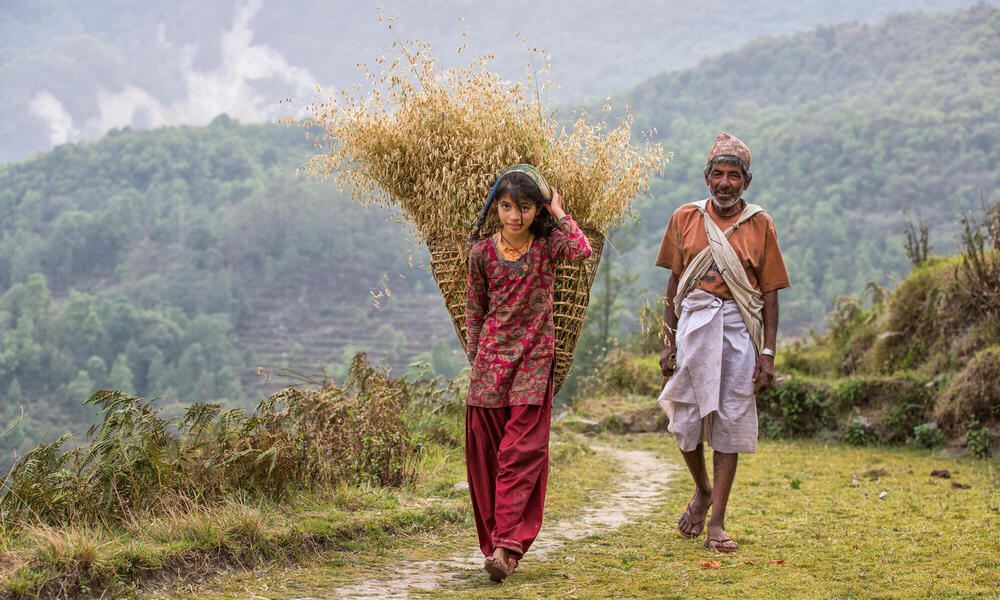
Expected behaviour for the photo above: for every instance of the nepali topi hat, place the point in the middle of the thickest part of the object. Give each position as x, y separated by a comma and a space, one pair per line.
728, 144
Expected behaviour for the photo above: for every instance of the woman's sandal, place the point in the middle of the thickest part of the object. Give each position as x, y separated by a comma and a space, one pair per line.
497, 570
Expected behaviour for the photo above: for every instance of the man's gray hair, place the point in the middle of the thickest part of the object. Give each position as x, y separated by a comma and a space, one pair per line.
728, 159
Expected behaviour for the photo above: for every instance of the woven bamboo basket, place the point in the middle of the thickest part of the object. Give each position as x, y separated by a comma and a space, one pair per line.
571, 291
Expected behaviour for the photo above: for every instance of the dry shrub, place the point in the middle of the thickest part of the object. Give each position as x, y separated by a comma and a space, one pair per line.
973, 394
67, 562
68, 545
617, 372
430, 141
979, 239
180, 520
246, 523
912, 321
352, 432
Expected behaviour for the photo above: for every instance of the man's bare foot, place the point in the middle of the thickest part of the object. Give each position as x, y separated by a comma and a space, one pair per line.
692, 521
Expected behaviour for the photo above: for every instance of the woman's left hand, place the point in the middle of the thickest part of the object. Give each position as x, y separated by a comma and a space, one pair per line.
555, 206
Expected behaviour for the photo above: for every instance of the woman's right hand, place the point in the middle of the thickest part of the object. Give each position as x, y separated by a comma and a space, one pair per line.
668, 358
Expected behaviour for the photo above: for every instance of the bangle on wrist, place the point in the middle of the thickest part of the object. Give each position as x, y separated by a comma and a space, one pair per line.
767, 352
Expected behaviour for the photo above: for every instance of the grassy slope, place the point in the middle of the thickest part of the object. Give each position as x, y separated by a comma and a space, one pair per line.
792, 502
188, 542
926, 352
176, 549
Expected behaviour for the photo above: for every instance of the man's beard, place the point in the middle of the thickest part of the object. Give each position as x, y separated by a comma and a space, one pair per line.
723, 204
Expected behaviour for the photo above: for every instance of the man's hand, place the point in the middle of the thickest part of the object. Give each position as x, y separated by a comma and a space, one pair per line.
668, 358
763, 373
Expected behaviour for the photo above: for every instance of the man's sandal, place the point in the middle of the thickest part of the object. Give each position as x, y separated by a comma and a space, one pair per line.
721, 544
497, 570
698, 525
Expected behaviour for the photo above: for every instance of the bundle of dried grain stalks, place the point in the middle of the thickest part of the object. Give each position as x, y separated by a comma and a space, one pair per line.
430, 141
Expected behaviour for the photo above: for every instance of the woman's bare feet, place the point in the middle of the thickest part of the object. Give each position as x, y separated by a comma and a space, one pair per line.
692, 522
500, 565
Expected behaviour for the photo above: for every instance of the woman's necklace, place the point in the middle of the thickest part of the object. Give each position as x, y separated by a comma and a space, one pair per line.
510, 249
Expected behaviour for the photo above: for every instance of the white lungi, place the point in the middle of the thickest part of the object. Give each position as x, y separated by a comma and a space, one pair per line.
710, 396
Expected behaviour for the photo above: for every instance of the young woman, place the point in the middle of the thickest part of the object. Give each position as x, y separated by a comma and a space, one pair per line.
511, 346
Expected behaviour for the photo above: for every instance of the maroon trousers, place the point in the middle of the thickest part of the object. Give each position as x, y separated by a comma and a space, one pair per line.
507, 461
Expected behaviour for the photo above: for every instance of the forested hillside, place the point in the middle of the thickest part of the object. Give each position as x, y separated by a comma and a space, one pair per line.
174, 262
850, 126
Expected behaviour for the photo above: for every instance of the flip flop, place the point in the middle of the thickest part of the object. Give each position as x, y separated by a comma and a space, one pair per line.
699, 525
498, 572
717, 544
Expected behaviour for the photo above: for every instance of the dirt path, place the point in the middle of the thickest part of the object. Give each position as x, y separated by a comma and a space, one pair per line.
643, 480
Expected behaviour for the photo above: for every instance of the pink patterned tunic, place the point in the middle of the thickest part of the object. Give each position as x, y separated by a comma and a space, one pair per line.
508, 316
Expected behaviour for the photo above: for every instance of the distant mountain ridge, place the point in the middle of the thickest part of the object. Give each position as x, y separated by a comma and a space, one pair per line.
72, 71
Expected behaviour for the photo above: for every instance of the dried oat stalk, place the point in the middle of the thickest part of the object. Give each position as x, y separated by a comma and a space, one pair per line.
429, 141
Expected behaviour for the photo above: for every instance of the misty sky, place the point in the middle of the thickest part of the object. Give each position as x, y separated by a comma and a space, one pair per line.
72, 71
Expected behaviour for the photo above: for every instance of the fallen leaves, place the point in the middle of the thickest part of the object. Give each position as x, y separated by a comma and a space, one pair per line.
717, 564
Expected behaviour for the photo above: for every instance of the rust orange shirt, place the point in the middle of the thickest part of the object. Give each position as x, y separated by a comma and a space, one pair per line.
755, 242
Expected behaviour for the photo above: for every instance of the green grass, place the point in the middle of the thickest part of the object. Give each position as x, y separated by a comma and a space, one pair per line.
819, 508
792, 502
189, 540
924, 539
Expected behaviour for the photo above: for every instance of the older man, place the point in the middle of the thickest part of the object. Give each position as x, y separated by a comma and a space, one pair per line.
720, 325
